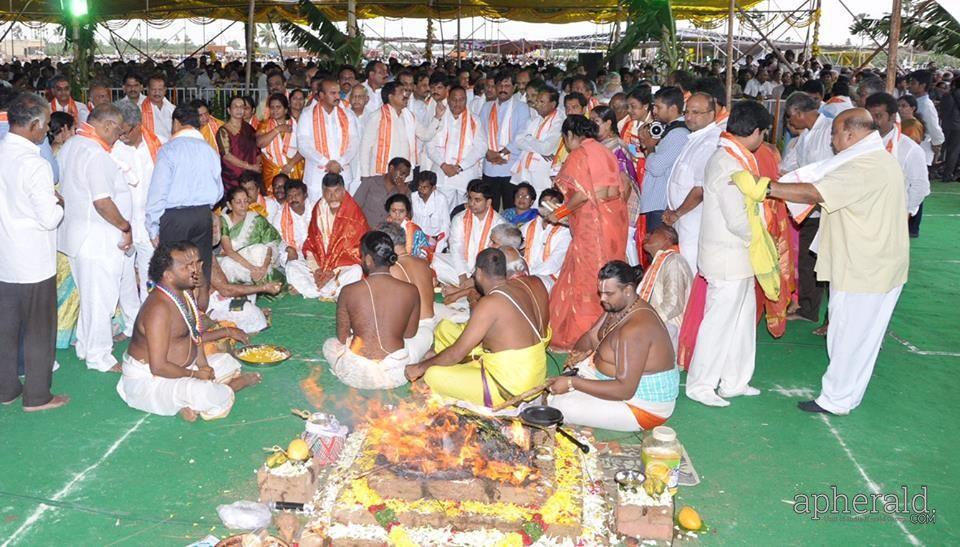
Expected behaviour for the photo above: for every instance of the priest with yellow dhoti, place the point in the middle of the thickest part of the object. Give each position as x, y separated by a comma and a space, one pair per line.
502, 350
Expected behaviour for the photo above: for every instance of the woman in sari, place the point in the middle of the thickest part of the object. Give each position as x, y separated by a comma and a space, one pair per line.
595, 205
277, 139
298, 101
399, 211
250, 111
523, 211
238, 145
910, 122
608, 134
250, 245
62, 128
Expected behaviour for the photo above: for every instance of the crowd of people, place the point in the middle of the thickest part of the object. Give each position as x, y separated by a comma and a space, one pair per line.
643, 225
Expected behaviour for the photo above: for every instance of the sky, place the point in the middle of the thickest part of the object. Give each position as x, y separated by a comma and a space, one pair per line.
835, 22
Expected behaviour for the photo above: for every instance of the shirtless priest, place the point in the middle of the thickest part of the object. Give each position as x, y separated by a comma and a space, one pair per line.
416, 271
370, 349
165, 371
502, 350
627, 376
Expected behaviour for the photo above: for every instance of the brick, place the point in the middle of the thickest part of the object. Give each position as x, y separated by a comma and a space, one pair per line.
643, 522
389, 485
460, 490
299, 489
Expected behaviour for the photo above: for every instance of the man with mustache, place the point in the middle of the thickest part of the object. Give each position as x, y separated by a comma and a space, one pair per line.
165, 370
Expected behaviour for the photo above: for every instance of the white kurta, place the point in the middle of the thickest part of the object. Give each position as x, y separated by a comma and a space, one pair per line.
375, 102
402, 144
163, 119
433, 215
688, 173
914, 164
300, 224
426, 112
137, 164
316, 161
542, 261
462, 252
82, 110
90, 174
931, 123
541, 138
444, 147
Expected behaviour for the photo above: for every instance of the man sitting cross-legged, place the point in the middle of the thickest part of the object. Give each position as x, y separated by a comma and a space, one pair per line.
628, 379
502, 350
331, 250
469, 234
416, 271
165, 371
369, 351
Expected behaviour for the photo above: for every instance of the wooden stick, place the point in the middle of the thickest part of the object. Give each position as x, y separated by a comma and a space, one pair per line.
525, 395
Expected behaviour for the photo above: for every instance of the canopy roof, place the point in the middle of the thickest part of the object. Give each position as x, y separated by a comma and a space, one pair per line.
533, 11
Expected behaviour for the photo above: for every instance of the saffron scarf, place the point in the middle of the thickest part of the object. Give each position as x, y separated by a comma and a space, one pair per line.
530, 238
86, 130
466, 124
385, 138
153, 142
278, 148
468, 231
71, 108
495, 134
320, 140
650, 278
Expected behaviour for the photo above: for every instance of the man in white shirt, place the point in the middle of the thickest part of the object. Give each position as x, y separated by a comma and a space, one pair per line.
63, 102
919, 83
725, 353
760, 86
469, 234
157, 110
685, 188
883, 109
813, 145
503, 120
29, 215
431, 210
545, 244
457, 148
376, 76
438, 89
293, 220
391, 132
135, 154
329, 139
133, 88
96, 232
539, 143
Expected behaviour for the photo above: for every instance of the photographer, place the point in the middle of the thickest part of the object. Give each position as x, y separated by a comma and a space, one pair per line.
663, 143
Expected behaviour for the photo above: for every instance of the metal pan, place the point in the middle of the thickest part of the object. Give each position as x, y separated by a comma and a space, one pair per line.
548, 416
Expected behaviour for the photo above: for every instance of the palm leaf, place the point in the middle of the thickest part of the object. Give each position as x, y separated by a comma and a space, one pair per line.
326, 40
928, 26
648, 20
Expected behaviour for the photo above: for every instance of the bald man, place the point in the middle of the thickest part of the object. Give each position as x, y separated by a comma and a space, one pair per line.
863, 253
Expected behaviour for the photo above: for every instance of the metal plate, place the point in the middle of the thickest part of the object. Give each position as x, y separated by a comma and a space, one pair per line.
238, 353
541, 415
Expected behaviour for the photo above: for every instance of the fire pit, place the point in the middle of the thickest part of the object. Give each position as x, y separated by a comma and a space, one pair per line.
420, 475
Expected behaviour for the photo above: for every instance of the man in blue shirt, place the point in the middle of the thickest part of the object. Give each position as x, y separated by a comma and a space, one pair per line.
662, 154
185, 185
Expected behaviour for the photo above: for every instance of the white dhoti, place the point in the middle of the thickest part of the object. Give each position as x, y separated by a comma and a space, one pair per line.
235, 272
97, 276
212, 399
300, 277
445, 268
129, 294
422, 341
456, 312
249, 318
858, 322
688, 237
586, 410
363, 373
632, 253
727, 341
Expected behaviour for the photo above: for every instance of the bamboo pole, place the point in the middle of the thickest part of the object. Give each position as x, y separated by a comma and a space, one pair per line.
894, 44
352, 18
730, 16
251, 33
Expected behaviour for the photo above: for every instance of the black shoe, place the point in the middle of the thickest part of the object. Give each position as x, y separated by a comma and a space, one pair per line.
812, 406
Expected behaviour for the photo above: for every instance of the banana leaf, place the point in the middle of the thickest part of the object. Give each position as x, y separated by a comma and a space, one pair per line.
926, 25
646, 20
326, 40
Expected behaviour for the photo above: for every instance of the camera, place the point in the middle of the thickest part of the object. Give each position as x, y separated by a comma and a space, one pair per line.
657, 129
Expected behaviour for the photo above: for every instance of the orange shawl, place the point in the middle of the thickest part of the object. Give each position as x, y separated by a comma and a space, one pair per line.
349, 225
778, 224
209, 132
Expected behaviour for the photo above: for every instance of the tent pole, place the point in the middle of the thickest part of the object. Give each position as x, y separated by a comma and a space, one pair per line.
894, 43
730, 11
251, 28
352, 18
459, 54
205, 44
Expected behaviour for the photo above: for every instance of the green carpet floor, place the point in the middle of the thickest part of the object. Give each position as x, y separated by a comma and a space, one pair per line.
98, 473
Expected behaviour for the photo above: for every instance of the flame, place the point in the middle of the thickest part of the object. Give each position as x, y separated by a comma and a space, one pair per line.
312, 389
432, 438
518, 434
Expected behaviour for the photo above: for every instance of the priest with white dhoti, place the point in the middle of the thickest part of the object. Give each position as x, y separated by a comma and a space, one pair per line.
539, 144
685, 188
96, 234
136, 154
864, 252
328, 138
545, 243
725, 354
469, 234
457, 149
